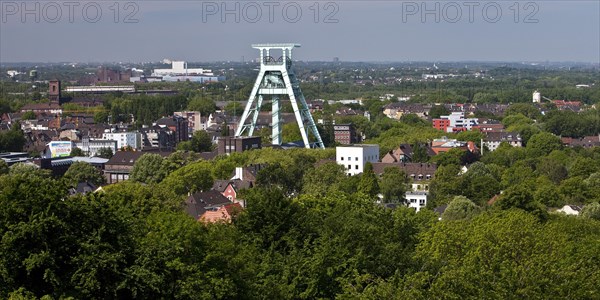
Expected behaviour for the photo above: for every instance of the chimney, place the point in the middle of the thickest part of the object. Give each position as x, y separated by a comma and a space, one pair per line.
239, 173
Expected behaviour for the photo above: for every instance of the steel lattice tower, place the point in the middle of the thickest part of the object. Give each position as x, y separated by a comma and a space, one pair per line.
276, 78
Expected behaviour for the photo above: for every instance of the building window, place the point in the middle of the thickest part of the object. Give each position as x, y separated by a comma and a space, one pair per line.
349, 167
356, 158
356, 167
342, 158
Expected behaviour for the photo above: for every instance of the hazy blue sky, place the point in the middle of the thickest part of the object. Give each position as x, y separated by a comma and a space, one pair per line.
365, 30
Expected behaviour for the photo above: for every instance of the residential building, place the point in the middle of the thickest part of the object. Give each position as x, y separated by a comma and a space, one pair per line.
441, 124
345, 134
348, 112
92, 147
490, 125
567, 105
222, 214
493, 139
585, 142
177, 124
416, 200
420, 174
354, 157
401, 154
200, 202
315, 105
194, 119
37, 141
157, 137
119, 166
69, 134
124, 139
445, 144
230, 188
398, 109
28, 125
455, 122
435, 76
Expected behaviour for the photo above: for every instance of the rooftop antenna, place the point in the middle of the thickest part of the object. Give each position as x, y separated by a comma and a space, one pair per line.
276, 78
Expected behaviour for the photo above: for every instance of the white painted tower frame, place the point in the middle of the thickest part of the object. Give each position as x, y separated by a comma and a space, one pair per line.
276, 78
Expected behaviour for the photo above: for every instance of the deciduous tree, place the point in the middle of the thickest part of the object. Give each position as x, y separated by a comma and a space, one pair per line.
151, 168
543, 143
201, 142
393, 185
460, 208
591, 211
76, 152
204, 105
105, 153
83, 172
368, 181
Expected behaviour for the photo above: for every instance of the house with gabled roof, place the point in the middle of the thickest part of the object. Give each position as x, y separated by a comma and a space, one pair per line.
493, 139
585, 142
200, 202
231, 188
401, 154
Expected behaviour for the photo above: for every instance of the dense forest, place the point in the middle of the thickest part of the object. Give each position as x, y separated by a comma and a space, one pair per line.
308, 230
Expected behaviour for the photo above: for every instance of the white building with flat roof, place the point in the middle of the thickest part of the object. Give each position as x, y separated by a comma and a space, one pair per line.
416, 200
92, 147
458, 121
354, 157
100, 89
180, 68
124, 139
